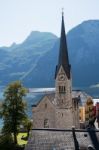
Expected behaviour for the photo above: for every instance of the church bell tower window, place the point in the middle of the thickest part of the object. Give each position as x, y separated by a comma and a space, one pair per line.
62, 89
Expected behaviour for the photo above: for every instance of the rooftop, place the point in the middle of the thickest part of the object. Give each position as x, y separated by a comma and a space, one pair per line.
54, 139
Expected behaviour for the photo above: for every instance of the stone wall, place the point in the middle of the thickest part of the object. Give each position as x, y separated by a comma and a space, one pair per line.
64, 119
63, 100
44, 110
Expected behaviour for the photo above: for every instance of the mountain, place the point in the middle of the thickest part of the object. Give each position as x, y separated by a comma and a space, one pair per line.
83, 43
20, 60
34, 60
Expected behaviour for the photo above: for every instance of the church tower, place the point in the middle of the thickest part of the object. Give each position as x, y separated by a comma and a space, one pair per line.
63, 94
63, 73
59, 110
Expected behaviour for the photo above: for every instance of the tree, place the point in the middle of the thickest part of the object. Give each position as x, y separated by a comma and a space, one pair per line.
28, 124
6, 142
13, 108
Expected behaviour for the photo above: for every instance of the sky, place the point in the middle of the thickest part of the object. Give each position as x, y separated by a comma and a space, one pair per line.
19, 17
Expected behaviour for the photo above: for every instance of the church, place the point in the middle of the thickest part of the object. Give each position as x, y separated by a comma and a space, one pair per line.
60, 109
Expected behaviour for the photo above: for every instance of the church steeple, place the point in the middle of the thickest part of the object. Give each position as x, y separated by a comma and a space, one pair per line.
63, 59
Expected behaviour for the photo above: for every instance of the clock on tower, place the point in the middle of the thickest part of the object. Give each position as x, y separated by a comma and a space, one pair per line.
61, 77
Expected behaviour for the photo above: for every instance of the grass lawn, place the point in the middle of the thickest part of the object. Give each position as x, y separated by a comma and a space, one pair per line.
21, 141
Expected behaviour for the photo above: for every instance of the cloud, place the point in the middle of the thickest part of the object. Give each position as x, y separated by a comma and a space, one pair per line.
95, 86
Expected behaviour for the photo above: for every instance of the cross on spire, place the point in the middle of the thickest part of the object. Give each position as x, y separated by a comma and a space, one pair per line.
62, 11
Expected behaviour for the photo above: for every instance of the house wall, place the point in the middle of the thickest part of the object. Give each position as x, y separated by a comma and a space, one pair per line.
44, 110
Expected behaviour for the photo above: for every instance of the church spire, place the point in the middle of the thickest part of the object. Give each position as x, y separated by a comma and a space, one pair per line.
63, 59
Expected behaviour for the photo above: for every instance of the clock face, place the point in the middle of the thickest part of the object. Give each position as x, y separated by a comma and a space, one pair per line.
62, 77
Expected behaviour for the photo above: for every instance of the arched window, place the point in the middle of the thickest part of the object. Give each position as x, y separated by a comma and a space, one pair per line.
45, 105
59, 89
62, 89
46, 123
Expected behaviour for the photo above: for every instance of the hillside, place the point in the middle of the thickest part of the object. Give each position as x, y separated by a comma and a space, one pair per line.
18, 61
34, 60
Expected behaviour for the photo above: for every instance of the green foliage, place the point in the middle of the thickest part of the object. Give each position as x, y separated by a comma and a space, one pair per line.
22, 138
13, 108
28, 124
6, 142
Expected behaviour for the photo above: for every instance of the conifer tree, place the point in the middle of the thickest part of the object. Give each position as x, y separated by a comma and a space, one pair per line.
13, 108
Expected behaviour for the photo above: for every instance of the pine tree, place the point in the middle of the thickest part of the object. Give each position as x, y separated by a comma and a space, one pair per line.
13, 108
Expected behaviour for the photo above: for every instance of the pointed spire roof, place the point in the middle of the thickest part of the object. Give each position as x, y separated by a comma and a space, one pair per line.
63, 59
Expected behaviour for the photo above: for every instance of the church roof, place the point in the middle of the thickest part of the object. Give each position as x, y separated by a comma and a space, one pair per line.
50, 96
63, 59
62, 139
76, 94
82, 95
